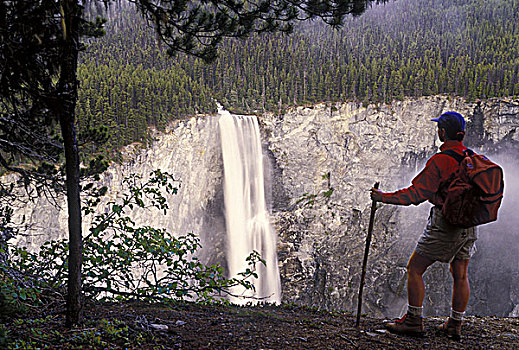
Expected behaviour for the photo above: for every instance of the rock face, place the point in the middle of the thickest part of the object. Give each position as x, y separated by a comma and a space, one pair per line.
321, 161
321, 244
190, 150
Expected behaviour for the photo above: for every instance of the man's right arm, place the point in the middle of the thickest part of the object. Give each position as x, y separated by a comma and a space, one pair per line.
423, 188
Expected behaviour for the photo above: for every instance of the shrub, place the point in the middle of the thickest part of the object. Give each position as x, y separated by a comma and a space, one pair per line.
122, 260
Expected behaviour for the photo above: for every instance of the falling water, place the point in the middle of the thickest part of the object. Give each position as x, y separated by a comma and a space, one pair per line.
247, 218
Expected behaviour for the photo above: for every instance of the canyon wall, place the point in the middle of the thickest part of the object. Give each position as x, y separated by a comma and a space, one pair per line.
349, 147
321, 161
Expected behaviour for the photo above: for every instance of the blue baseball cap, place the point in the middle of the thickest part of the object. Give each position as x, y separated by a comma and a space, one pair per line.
452, 121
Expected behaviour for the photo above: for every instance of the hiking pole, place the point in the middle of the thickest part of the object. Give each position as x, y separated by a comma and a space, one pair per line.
366, 252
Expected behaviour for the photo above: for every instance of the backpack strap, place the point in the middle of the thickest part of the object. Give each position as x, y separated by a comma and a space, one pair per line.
456, 155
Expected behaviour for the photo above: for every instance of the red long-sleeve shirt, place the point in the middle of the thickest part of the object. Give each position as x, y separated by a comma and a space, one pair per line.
425, 186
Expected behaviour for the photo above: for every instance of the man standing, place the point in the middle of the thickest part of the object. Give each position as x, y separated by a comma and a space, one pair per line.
440, 240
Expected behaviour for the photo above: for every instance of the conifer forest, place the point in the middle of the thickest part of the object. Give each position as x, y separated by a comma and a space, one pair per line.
400, 49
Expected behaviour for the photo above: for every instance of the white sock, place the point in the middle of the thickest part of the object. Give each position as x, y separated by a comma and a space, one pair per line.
457, 315
414, 310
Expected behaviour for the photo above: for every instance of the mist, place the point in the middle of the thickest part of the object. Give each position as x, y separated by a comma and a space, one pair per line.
497, 257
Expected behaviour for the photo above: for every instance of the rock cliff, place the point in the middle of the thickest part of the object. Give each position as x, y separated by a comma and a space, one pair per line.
321, 244
321, 233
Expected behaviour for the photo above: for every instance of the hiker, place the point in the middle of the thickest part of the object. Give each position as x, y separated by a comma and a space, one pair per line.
440, 240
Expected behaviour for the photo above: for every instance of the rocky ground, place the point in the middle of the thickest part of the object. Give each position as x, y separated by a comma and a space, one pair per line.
192, 326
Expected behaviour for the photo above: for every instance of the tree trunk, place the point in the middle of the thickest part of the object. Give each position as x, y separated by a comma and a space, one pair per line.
67, 87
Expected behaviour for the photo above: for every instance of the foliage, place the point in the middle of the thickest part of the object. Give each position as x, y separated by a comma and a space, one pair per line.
403, 49
309, 200
129, 82
17, 291
31, 142
123, 260
197, 27
137, 94
99, 334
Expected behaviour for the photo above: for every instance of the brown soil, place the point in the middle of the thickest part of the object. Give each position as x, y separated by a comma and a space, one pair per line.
192, 326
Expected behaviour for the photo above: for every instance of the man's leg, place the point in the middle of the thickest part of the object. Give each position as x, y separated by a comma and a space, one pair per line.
461, 288
412, 322
415, 286
460, 298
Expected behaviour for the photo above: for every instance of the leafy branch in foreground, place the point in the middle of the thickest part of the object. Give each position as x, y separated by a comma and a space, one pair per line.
16, 290
125, 261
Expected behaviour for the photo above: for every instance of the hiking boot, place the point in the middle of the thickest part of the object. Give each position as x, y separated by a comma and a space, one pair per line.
452, 328
408, 325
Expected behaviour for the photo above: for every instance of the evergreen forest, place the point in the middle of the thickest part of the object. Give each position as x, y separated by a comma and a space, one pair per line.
405, 48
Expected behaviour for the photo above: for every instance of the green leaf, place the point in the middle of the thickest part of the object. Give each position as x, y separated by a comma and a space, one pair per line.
328, 193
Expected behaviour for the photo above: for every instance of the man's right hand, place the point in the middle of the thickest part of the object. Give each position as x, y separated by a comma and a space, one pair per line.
376, 195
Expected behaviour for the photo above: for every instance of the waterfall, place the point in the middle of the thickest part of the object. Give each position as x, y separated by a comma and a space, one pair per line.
246, 215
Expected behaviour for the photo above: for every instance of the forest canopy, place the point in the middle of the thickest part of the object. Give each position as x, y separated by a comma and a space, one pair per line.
397, 50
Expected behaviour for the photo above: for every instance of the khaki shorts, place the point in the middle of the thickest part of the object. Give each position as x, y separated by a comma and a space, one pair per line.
444, 242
